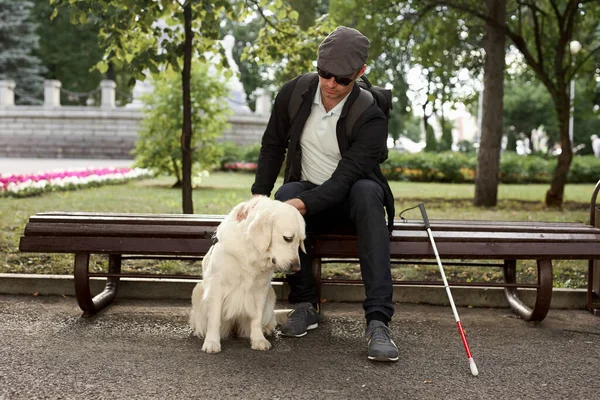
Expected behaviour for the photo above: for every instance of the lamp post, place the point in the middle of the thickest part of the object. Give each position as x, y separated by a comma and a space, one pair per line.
574, 48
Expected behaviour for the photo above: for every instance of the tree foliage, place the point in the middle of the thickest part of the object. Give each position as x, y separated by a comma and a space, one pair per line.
254, 72
379, 21
67, 60
18, 43
283, 45
527, 106
147, 35
158, 146
542, 32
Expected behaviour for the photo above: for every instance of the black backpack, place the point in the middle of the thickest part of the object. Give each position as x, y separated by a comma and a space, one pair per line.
368, 94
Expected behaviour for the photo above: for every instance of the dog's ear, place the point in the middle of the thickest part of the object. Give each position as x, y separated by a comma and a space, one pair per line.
241, 211
302, 231
302, 246
260, 230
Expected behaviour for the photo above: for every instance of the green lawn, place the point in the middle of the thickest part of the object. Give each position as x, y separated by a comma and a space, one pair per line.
221, 191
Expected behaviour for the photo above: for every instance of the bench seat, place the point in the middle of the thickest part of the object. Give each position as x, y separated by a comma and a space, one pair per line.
122, 236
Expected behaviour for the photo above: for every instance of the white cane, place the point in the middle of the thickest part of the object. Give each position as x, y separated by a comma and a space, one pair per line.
458, 323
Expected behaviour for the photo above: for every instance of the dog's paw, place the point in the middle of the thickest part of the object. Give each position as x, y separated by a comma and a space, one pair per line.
261, 344
211, 347
268, 331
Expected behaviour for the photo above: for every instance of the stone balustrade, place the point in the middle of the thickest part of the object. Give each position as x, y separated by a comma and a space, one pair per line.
55, 131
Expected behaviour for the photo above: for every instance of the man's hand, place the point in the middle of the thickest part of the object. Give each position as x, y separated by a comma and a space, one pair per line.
299, 204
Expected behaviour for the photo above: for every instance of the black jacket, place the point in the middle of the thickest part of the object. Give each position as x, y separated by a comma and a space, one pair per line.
361, 154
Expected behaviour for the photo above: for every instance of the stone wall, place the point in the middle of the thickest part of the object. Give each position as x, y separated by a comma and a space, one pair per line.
54, 131
68, 132
91, 132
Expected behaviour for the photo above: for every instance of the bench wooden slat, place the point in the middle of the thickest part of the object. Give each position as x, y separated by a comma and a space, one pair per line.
397, 222
125, 230
468, 250
468, 236
115, 245
201, 230
82, 214
328, 248
141, 219
498, 226
215, 220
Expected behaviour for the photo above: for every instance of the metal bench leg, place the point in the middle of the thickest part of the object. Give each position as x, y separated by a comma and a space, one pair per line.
82, 284
544, 291
316, 271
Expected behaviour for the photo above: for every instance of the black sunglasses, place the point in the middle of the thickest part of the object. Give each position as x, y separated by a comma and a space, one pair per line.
338, 80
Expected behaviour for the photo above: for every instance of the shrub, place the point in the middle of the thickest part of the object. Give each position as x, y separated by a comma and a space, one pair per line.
460, 167
429, 167
231, 153
158, 147
239, 158
584, 169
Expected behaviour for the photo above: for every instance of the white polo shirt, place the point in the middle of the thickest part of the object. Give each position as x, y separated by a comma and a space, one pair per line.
320, 148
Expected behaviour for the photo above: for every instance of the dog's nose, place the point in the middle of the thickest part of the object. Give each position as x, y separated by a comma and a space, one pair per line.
295, 266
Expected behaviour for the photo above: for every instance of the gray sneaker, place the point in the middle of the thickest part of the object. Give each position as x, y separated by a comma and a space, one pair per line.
381, 345
301, 319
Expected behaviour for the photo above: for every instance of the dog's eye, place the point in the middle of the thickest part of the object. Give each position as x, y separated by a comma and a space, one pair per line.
288, 239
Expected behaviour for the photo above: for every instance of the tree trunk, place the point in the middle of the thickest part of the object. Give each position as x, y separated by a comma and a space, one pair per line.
554, 195
186, 132
110, 72
488, 158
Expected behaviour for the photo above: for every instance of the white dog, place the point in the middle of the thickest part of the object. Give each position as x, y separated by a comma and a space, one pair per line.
257, 238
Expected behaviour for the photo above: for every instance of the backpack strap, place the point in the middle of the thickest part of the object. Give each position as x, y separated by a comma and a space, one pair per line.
296, 99
361, 104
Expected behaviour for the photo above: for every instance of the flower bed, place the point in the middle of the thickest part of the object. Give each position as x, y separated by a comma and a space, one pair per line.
33, 184
240, 166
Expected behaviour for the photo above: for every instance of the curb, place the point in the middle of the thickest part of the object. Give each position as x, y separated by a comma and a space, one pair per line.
158, 289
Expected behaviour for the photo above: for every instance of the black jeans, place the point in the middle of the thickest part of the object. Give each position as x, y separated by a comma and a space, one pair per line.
364, 210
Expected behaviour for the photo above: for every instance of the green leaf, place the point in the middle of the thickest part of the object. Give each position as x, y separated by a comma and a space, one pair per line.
281, 14
102, 66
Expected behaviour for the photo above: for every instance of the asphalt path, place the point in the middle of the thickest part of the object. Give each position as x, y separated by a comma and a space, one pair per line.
143, 349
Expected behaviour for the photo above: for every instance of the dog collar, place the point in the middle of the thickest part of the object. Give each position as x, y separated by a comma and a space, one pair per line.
212, 236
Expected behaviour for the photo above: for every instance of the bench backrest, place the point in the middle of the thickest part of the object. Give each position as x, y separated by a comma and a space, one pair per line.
191, 235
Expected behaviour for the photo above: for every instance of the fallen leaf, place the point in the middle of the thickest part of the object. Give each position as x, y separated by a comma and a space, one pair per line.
427, 381
36, 294
469, 306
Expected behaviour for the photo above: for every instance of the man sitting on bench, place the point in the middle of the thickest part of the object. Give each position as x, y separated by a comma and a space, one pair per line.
335, 180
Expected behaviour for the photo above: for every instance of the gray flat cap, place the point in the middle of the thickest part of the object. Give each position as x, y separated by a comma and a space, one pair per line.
343, 52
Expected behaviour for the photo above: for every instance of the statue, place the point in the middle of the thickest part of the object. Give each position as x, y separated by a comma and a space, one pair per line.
595, 145
237, 94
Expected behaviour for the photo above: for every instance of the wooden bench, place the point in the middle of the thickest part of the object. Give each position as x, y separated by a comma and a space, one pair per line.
157, 236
